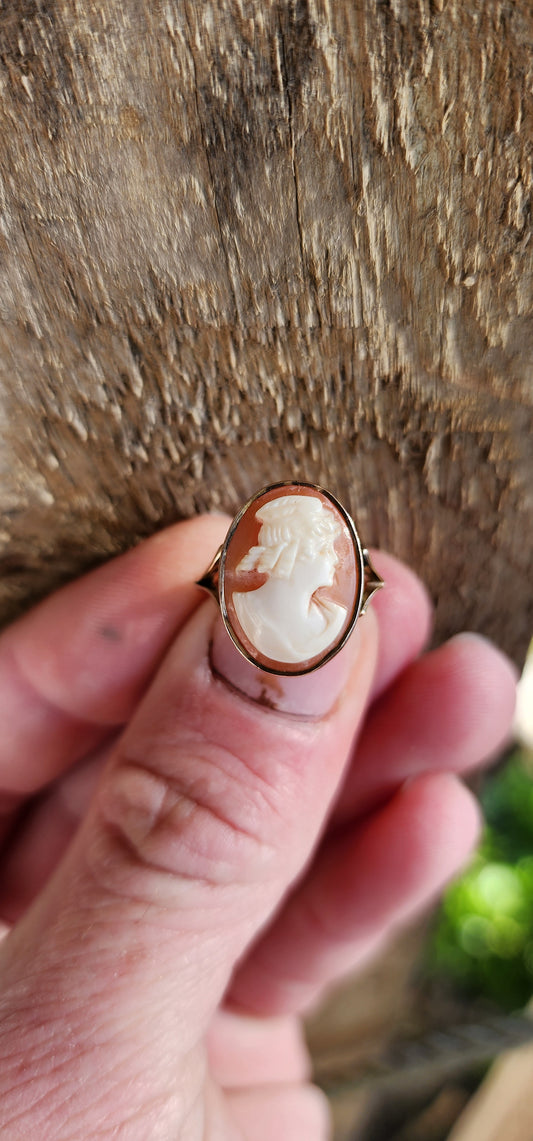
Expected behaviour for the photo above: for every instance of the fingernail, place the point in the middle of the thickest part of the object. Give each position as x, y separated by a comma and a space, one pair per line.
309, 695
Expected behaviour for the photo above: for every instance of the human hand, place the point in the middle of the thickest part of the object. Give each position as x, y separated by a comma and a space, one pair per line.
172, 843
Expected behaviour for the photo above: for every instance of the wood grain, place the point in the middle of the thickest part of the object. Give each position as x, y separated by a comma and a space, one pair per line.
501, 1108
244, 241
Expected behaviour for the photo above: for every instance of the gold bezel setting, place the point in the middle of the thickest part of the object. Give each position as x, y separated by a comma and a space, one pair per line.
368, 580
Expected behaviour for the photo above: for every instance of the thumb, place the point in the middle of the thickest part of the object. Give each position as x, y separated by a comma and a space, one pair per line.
206, 811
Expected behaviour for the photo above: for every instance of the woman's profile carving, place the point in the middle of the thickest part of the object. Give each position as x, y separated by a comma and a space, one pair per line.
296, 549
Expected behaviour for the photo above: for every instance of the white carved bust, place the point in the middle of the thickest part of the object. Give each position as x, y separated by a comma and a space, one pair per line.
296, 548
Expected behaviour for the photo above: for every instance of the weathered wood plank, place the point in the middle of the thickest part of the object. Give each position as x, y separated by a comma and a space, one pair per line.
246, 240
501, 1108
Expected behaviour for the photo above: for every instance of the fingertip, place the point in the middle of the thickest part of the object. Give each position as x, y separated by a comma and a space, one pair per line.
315, 695
367, 881
77, 664
246, 1050
89, 648
450, 710
484, 683
418, 842
485, 660
404, 611
447, 818
288, 1112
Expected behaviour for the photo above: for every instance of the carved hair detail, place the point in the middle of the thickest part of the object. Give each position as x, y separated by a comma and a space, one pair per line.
293, 526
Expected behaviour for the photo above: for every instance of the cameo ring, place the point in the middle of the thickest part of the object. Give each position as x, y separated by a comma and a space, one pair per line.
291, 578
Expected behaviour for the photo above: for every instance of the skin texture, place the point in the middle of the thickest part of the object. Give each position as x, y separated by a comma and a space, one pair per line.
157, 821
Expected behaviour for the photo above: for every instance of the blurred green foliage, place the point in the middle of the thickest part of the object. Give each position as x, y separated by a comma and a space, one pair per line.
483, 941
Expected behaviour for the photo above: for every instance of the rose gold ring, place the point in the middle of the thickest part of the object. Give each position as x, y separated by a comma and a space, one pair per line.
291, 578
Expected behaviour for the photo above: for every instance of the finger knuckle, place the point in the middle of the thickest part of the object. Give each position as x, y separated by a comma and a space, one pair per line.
175, 819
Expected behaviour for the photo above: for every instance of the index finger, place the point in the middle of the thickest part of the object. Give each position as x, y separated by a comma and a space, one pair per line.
74, 668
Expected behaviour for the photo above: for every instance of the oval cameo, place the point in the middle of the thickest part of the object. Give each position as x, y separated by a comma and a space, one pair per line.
291, 578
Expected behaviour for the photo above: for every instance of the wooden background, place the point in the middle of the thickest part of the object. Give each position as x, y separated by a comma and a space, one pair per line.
244, 241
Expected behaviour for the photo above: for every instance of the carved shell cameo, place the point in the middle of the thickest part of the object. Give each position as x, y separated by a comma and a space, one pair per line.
291, 578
